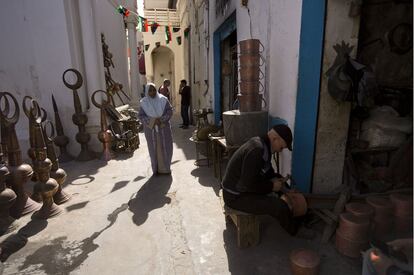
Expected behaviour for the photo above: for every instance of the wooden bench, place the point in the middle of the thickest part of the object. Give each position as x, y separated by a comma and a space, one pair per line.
248, 225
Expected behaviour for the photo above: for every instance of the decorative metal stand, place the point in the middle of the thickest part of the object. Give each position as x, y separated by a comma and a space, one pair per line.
20, 173
56, 173
60, 140
7, 198
112, 87
79, 118
42, 165
104, 135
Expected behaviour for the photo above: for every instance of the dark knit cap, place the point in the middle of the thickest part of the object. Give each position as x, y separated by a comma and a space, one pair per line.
285, 133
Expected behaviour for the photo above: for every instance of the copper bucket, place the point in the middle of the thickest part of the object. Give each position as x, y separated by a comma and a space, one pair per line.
251, 46
362, 210
304, 262
250, 87
403, 204
250, 103
353, 228
251, 60
348, 247
250, 74
299, 204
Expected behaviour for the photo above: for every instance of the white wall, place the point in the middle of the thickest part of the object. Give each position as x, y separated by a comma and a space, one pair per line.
34, 53
43, 38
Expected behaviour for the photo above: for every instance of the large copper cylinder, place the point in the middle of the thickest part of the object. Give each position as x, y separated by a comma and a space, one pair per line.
250, 87
383, 217
350, 248
353, 228
250, 74
362, 210
250, 102
250, 46
304, 262
250, 60
403, 213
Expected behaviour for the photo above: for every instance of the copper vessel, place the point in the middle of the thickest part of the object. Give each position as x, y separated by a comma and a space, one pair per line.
304, 262
250, 87
403, 226
353, 227
299, 204
250, 103
348, 247
362, 210
251, 46
251, 60
403, 204
250, 74
383, 216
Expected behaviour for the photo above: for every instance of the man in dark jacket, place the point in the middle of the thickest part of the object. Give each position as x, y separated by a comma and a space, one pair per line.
250, 178
185, 92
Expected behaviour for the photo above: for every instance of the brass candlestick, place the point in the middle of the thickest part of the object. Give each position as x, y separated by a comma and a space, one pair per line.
56, 173
42, 165
104, 135
7, 198
20, 173
60, 140
79, 118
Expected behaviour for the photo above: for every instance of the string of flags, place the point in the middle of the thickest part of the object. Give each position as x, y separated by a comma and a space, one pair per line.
145, 26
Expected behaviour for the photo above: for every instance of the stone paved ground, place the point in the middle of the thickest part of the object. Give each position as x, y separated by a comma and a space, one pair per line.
121, 220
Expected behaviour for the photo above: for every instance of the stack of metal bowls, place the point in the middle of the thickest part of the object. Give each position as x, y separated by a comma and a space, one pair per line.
383, 216
403, 213
250, 88
352, 235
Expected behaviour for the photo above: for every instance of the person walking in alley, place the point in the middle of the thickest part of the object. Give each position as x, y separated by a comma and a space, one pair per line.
155, 113
164, 89
250, 179
185, 92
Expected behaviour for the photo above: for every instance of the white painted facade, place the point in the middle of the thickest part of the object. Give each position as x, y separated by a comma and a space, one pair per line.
276, 24
43, 38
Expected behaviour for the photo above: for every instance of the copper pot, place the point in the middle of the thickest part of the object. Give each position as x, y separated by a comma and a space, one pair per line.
362, 210
250, 102
304, 262
353, 227
299, 204
251, 60
250, 88
250, 74
348, 247
250, 46
403, 204
382, 208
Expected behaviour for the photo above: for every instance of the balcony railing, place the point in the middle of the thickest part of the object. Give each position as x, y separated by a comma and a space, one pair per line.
163, 16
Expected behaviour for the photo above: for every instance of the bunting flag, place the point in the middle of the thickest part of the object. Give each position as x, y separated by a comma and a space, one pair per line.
142, 24
154, 27
186, 32
167, 34
122, 10
176, 29
147, 47
179, 40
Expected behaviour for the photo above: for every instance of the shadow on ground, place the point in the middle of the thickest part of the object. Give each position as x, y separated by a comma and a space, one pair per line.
206, 178
152, 195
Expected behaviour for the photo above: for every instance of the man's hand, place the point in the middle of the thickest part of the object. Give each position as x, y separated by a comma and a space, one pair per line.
380, 262
403, 245
157, 122
278, 183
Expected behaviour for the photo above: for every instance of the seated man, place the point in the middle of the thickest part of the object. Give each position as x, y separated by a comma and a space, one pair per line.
250, 177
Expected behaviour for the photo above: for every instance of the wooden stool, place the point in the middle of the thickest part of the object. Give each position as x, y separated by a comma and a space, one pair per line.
248, 225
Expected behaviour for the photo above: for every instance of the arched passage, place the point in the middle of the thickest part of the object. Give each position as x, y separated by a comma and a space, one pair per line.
163, 67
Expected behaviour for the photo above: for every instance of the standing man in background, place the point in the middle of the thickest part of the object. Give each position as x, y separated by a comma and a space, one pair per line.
164, 89
185, 92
